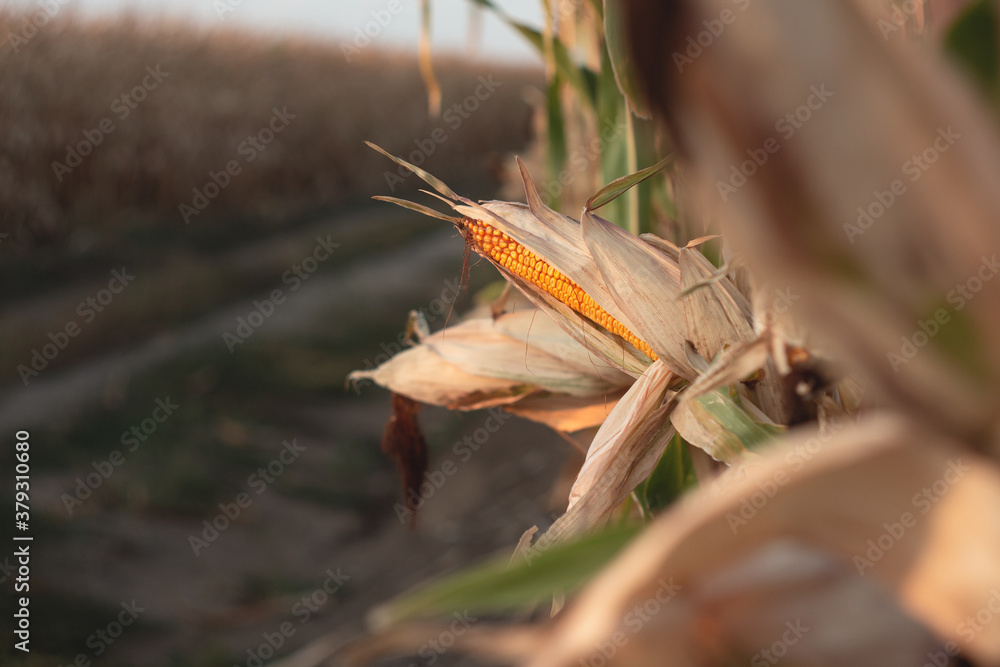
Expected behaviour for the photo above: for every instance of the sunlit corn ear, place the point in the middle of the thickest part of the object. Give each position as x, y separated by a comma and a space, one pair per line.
622, 454
869, 264
544, 278
805, 553
548, 261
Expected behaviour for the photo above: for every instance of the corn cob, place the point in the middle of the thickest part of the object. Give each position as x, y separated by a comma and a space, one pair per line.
502, 249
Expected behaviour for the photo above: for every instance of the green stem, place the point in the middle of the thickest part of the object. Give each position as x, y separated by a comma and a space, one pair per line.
633, 166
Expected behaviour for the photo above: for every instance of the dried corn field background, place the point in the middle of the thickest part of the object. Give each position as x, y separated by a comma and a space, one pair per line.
297, 219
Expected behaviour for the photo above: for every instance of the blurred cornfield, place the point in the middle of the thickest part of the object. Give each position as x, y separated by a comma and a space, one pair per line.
220, 87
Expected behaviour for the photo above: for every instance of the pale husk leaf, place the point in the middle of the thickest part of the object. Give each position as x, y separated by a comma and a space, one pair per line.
646, 287
622, 454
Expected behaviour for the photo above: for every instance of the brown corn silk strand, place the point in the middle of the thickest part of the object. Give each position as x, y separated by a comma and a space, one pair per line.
520, 261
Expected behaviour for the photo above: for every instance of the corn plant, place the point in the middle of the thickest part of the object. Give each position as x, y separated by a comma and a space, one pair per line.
801, 458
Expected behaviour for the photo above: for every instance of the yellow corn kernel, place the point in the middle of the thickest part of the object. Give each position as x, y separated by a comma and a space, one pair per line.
520, 261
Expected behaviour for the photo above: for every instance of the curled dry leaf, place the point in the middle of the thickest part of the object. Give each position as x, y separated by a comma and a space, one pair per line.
622, 454
404, 441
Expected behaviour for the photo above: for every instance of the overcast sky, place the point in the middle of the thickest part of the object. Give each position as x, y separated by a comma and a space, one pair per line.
336, 20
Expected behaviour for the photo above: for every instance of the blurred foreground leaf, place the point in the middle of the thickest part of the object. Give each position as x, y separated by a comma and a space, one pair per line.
500, 585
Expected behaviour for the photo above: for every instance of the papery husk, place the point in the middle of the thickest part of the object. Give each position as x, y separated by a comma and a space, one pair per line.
565, 413
484, 362
424, 376
622, 454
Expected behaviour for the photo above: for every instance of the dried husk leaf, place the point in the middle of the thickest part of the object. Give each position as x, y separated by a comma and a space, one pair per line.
622, 454
717, 314
482, 362
606, 346
646, 287
545, 334
481, 350
422, 375
566, 413
721, 425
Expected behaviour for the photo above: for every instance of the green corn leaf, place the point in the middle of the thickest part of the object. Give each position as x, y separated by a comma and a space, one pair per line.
616, 39
556, 136
503, 586
973, 41
619, 186
582, 79
674, 474
718, 423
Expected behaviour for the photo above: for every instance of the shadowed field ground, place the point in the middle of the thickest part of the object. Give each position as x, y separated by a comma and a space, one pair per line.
119, 488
